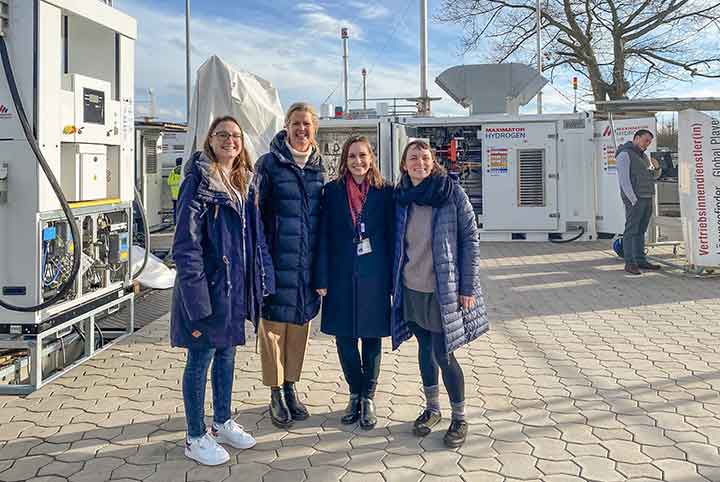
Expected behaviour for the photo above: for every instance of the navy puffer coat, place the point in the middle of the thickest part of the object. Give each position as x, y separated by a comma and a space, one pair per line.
223, 267
357, 303
456, 259
290, 206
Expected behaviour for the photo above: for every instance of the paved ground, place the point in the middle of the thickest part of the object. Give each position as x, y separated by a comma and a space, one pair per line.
587, 375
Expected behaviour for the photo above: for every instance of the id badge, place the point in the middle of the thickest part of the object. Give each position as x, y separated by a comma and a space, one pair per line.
364, 247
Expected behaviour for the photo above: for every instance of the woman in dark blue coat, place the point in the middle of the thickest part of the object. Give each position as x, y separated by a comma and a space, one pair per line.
290, 179
223, 272
354, 272
436, 288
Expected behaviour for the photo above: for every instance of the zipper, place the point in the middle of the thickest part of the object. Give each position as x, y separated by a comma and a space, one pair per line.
228, 283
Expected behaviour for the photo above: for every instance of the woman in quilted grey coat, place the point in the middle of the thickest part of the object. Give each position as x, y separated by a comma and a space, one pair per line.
436, 289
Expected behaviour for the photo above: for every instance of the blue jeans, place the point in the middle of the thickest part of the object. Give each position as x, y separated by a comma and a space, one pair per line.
195, 380
637, 219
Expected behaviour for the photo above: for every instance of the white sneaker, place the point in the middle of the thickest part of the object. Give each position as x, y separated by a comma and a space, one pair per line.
232, 434
206, 451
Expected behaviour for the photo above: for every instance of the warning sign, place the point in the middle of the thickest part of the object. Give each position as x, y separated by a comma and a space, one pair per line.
498, 161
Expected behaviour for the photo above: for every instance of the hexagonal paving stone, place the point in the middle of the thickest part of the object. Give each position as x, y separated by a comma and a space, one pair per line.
365, 461
631, 471
325, 474
519, 466
474, 464
549, 449
208, 474
623, 451
285, 476
701, 454
356, 477
441, 463
553, 467
677, 470
61, 469
403, 475
25, 468
598, 469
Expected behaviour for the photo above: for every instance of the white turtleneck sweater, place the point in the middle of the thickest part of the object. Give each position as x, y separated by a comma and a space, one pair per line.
300, 157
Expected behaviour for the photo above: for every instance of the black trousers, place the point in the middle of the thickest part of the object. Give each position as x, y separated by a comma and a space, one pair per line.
433, 359
361, 369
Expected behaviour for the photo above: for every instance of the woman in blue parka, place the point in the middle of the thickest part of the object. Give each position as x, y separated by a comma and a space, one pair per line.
354, 272
436, 288
223, 272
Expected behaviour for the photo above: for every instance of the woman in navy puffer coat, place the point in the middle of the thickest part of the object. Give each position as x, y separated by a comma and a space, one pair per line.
436, 290
223, 272
290, 179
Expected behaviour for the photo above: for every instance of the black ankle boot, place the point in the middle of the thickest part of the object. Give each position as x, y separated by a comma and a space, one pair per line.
367, 414
294, 405
352, 411
279, 413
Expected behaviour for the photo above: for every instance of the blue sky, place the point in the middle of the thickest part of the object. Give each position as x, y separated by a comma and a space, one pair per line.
296, 46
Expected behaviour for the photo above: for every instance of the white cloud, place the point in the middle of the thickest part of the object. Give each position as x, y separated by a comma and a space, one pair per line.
370, 11
309, 7
323, 25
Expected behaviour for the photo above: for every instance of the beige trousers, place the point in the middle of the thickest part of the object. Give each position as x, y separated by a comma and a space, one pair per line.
282, 351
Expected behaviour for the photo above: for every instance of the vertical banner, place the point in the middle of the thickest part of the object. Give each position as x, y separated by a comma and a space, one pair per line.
699, 178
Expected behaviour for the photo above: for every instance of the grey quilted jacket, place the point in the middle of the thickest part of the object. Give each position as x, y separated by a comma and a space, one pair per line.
456, 258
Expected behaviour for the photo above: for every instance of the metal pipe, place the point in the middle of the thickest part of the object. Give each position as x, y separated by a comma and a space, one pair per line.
423, 57
187, 60
538, 16
364, 86
346, 87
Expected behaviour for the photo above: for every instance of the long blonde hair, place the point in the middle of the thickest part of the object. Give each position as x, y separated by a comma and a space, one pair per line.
241, 165
373, 175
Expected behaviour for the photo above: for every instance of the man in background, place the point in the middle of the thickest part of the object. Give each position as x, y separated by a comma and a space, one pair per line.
636, 175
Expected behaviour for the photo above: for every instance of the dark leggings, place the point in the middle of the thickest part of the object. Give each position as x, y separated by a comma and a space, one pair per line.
432, 358
360, 374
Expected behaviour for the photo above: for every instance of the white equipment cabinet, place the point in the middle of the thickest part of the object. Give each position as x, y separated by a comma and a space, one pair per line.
529, 177
73, 64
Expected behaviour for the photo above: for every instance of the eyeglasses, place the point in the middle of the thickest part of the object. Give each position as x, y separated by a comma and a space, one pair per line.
223, 136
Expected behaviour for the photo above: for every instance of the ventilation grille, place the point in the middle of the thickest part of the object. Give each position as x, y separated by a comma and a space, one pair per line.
531, 181
151, 158
574, 124
4, 16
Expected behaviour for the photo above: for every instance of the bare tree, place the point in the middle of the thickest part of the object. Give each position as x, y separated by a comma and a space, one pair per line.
623, 47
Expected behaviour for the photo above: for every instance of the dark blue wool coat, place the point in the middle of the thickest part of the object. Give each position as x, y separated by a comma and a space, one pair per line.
456, 259
290, 206
358, 298
223, 268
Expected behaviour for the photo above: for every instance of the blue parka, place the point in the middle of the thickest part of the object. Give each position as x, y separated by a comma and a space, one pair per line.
290, 206
223, 267
456, 259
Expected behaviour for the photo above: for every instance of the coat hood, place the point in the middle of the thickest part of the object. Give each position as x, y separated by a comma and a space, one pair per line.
209, 175
279, 147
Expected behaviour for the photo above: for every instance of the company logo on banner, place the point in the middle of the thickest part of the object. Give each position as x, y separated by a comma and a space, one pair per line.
700, 186
5, 112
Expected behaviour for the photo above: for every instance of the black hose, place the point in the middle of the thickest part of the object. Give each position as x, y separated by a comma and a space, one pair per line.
146, 232
53, 182
569, 240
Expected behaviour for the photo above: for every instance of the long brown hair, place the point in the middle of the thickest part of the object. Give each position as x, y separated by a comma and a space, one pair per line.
241, 166
421, 144
373, 175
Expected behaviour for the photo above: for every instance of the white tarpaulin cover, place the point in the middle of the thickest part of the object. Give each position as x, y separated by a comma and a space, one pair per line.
699, 179
222, 90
